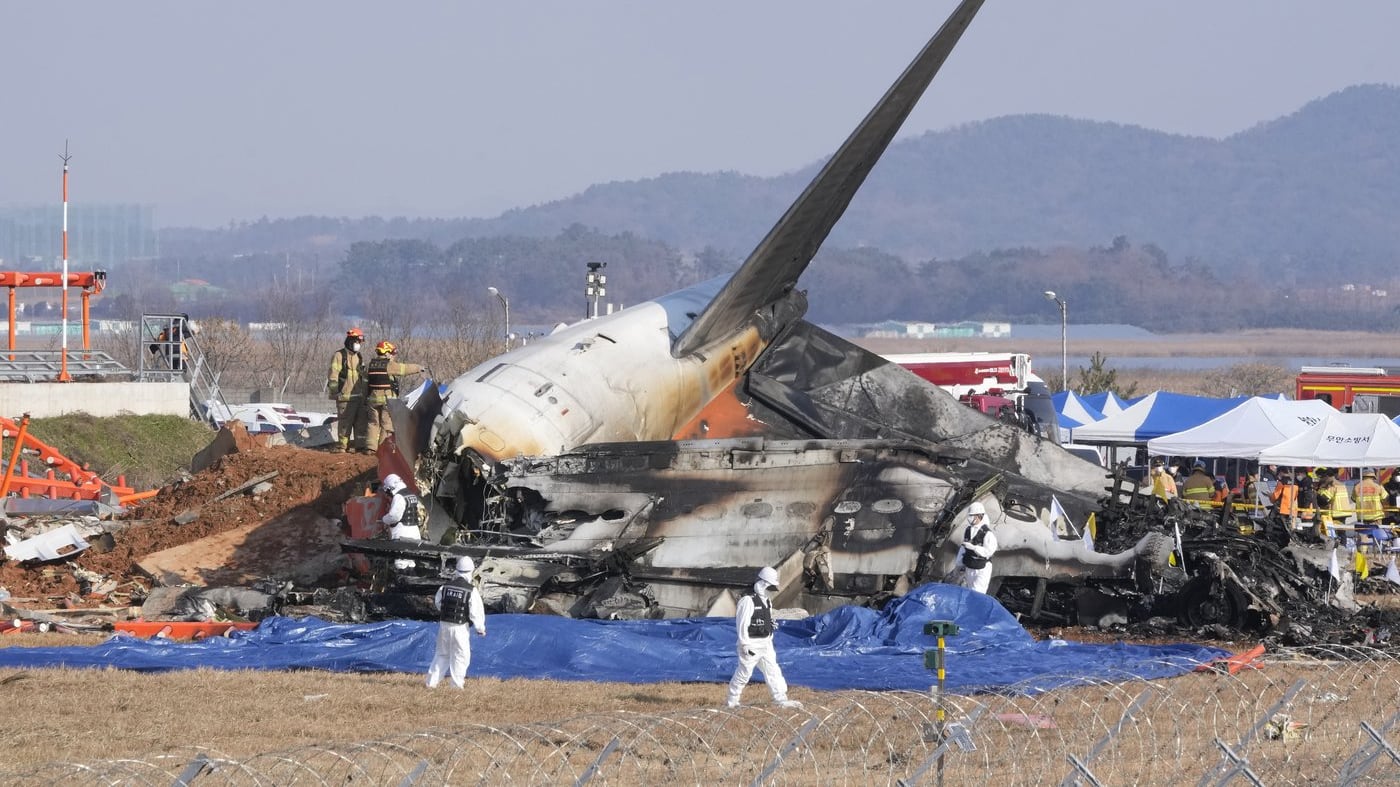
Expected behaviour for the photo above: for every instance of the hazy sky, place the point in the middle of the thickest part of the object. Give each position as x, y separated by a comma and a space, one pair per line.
220, 111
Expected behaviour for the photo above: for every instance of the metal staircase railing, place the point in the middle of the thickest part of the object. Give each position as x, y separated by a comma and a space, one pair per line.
172, 352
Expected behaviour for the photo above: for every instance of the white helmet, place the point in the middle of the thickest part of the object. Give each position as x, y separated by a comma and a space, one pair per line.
465, 566
393, 483
767, 574
976, 509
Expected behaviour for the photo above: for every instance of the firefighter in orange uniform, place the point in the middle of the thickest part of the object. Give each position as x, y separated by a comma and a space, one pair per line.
1199, 486
346, 387
382, 377
1369, 496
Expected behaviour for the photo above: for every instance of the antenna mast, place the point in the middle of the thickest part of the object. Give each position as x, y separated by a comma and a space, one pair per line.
63, 364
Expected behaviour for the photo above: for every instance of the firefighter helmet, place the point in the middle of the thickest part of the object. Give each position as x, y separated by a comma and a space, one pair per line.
386, 348
355, 333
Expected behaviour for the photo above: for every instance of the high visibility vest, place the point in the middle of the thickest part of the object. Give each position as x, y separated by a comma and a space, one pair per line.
1370, 500
1285, 498
456, 601
1198, 486
377, 376
1341, 501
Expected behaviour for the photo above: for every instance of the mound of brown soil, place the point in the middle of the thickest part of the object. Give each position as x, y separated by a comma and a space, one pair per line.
306, 481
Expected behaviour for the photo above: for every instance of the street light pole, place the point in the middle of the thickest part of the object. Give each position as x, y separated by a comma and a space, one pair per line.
506, 305
1064, 337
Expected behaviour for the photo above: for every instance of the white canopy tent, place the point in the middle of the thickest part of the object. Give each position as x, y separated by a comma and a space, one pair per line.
1340, 440
1256, 424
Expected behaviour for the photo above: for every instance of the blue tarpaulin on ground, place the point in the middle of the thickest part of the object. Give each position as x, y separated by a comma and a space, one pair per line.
847, 648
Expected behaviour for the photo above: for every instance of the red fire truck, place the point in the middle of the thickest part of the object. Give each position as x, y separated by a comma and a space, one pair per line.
1354, 389
1001, 385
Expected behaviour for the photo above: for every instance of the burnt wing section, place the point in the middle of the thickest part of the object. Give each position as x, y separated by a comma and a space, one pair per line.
814, 383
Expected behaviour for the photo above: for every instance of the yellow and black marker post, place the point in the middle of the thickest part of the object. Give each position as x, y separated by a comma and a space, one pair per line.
936, 660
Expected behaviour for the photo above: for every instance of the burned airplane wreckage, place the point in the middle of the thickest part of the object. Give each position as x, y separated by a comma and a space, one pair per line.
645, 463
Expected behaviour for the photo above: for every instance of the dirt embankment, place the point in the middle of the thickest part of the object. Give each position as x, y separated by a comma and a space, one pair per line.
305, 480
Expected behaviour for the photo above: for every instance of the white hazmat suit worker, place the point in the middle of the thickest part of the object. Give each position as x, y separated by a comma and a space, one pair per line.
402, 518
979, 543
458, 603
753, 619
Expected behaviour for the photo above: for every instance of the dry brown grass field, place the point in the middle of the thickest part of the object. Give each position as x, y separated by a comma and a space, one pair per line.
98, 716
310, 727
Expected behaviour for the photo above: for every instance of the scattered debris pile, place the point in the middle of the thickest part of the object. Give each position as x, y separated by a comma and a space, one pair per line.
252, 512
257, 531
1228, 574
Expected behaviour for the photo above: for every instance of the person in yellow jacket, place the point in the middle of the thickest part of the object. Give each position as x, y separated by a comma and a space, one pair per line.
346, 386
1338, 508
1369, 497
1163, 482
382, 376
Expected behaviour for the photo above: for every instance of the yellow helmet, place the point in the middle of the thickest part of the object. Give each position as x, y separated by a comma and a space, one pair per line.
385, 348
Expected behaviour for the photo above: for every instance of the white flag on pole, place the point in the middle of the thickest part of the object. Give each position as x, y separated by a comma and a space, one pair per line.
1088, 539
1057, 512
1333, 567
1391, 573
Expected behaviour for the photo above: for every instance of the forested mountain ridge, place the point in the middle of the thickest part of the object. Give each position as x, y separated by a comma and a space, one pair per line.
1318, 187
1290, 223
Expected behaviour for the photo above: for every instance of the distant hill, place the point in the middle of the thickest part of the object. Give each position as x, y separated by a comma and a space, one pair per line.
1320, 184
1321, 180
1292, 223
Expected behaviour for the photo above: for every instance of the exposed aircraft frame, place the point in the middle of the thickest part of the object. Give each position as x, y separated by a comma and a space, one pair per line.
644, 463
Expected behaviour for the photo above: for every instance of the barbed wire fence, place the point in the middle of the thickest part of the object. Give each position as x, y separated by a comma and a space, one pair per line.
1326, 715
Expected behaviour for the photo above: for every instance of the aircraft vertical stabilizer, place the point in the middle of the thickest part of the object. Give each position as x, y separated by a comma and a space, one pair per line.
772, 270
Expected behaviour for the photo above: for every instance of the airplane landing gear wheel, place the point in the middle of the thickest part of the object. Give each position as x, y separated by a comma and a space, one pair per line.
1205, 604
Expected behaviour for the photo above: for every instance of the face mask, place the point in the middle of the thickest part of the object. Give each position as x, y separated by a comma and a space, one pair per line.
355, 347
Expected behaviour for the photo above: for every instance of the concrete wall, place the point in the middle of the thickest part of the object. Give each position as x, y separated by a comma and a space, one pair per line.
47, 400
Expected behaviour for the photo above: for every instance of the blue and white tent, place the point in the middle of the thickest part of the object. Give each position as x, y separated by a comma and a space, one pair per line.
1073, 411
1155, 415
1106, 402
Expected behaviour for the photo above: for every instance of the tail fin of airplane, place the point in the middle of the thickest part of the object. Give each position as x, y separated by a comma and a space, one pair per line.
773, 268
